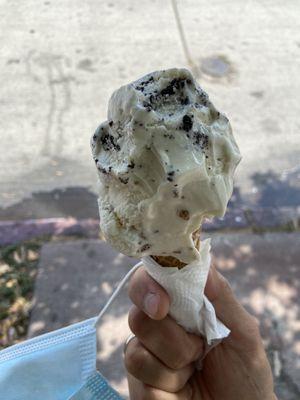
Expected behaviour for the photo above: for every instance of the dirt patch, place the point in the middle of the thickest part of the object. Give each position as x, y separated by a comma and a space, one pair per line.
18, 268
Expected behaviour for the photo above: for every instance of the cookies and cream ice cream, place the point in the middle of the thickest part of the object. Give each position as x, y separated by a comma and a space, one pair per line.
166, 159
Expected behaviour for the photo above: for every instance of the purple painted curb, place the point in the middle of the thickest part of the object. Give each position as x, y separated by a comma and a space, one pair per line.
265, 218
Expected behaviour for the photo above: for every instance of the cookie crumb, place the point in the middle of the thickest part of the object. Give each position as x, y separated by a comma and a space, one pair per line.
184, 214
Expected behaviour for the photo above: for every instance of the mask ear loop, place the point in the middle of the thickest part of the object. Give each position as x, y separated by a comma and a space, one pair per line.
117, 291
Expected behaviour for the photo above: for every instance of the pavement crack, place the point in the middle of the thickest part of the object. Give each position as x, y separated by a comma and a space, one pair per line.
49, 70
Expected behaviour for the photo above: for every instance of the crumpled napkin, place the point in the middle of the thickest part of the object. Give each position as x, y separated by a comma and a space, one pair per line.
188, 305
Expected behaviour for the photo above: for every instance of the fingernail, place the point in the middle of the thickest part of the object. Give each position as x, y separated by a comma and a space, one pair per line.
151, 302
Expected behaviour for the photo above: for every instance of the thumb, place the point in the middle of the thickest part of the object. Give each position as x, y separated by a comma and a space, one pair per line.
228, 309
148, 295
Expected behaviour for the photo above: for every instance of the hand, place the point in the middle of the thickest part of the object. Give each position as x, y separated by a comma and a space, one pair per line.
160, 360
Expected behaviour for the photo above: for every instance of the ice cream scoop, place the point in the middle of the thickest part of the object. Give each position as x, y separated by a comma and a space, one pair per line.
166, 159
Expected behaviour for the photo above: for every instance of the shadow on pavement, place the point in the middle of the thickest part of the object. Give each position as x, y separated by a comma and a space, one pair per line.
77, 202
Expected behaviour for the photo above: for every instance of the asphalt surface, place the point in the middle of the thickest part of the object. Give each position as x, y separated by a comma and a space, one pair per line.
60, 61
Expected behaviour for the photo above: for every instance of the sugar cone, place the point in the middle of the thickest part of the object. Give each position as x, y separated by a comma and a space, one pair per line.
169, 261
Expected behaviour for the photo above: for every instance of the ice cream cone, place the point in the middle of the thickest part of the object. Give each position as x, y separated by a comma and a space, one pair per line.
169, 261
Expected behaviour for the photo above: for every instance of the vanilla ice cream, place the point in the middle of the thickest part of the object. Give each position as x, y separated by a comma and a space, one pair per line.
166, 159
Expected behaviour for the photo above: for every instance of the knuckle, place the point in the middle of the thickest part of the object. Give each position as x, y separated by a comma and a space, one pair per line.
254, 323
259, 365
182, 359
253, 329
252, 335
136, 320
187, 354
135, 358
225, 285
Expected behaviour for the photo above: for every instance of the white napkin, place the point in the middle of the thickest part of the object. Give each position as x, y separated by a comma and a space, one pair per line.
189, 306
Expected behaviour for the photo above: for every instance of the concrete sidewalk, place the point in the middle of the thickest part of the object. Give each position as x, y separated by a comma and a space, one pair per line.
76, 278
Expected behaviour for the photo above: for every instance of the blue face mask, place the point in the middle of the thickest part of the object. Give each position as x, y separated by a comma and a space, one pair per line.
59, 365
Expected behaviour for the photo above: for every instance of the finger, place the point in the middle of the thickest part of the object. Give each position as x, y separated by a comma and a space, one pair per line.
138, 391
168, 341
148, 295
227, 307
148, 369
